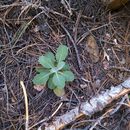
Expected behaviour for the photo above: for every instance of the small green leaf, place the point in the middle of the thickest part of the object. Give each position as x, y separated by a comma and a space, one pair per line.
61, 53
50, 84
66, 67
46, 62
40, 69
50, 55
69, 76
41, 78
59, 92
60, 65
58, 80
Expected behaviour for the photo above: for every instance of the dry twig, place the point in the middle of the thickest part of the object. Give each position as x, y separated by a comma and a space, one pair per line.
46, 119
75, 47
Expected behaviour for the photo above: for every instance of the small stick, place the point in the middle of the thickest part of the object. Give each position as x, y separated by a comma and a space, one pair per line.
26, 105
119, 105
46, 119
100, 119
75, 47
6, 88
79, 40
76, 25
109, 112
119, 68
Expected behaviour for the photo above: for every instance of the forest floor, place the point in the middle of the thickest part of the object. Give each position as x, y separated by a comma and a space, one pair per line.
28, 29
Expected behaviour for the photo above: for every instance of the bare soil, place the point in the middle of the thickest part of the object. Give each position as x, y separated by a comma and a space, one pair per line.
23, 40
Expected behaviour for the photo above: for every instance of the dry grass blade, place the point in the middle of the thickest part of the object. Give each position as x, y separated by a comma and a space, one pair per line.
19, 33
22, 29
26, 105
67, 6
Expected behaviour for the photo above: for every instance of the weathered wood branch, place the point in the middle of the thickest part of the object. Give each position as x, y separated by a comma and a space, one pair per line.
95, 104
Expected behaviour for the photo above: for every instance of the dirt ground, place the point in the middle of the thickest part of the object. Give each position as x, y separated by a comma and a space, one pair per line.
29, 28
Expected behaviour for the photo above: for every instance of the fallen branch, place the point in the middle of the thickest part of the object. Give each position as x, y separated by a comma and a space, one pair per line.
95, 104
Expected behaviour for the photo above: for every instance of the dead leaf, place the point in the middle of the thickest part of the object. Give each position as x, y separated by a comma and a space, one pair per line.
114, 4
39, 87
92, 49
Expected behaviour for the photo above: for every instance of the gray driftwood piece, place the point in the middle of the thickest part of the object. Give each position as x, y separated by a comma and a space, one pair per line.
95, 104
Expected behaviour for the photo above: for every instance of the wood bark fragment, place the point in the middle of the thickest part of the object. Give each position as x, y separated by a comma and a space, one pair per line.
95, 104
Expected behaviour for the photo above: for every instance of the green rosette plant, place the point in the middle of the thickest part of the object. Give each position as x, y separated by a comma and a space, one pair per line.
55, 72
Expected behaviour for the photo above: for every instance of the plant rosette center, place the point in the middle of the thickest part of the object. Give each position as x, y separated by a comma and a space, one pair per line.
58, 68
